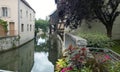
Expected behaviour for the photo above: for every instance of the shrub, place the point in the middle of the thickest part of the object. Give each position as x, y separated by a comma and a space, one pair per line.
97, 39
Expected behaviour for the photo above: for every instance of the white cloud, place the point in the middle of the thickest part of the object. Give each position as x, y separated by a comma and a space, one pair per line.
43, 8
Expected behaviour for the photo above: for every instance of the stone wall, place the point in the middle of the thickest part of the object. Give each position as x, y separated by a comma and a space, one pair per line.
97, 27
7, 43
73, 40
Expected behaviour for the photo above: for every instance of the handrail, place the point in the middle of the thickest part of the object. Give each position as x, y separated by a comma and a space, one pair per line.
113, 54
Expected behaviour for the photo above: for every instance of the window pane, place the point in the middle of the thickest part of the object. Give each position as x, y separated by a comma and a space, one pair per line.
4, 11
22, 27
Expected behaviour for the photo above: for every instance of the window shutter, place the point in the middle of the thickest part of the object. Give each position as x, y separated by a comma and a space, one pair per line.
9, 12
0, 12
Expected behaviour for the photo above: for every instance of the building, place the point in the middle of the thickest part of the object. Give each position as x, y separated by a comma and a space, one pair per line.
20, 18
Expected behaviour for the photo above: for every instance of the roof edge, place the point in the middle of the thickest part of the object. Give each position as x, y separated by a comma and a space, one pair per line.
27, 4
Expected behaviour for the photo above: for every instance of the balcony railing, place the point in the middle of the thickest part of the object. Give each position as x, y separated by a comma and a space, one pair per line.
8, 33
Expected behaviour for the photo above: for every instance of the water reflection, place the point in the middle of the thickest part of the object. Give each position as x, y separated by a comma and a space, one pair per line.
40, 41
41, 48
42, 64
41, 61
22, 59
18, 60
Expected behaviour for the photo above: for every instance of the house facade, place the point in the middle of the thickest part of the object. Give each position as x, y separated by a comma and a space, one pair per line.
20, 18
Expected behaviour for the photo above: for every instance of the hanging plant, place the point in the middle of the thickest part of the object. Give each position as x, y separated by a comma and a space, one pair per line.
4, 24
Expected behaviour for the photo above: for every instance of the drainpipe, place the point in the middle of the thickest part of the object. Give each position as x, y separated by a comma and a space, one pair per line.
18, 21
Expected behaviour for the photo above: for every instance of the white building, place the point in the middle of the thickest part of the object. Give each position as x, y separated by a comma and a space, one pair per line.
20, 17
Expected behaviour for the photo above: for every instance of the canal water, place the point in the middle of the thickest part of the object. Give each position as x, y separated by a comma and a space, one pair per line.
28, 58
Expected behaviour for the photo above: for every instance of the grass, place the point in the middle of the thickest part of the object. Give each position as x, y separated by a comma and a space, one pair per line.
116, 47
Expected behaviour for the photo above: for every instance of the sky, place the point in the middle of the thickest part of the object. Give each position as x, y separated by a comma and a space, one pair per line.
43, 8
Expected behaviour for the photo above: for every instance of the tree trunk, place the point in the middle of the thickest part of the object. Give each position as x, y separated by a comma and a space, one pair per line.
109, 31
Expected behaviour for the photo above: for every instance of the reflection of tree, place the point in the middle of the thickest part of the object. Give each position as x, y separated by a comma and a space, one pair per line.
41, 48
53, 53
55, 49
51, 46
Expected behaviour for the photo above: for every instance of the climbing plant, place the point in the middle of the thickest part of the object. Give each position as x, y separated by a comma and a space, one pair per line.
4, 24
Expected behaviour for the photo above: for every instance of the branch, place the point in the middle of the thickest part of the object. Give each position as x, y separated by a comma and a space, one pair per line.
115, 16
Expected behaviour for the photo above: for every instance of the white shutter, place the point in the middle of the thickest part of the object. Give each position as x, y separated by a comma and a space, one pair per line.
9, 12
0, 12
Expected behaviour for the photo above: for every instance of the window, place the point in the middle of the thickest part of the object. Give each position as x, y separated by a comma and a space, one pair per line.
22, 27
21, 13
26, 13
30, 27
27, 27
30, 16
4, 11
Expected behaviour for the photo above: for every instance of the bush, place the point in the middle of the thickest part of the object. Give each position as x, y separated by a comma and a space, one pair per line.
97, 39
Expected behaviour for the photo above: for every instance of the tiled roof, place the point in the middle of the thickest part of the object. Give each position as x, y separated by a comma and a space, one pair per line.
27, 4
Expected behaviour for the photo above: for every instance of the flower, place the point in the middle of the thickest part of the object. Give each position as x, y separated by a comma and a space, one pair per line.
106, 57
83, 49
67, 69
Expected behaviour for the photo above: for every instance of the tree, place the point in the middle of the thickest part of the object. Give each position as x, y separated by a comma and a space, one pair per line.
104, 10
43, 24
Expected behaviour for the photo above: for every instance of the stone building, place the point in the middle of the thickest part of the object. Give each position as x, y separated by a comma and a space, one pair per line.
20, 18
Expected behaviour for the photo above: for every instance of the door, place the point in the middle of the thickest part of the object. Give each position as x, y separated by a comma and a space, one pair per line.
12, 29
2, 31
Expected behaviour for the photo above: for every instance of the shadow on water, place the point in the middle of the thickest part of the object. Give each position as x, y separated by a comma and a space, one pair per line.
18, 60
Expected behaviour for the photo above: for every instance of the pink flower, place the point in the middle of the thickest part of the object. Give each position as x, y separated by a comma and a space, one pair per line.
66, 69
70, 68
107, 57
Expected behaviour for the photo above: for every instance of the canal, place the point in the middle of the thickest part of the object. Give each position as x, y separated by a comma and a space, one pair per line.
27, 58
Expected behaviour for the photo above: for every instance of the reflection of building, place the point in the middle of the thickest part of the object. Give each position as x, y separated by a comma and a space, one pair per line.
20, 17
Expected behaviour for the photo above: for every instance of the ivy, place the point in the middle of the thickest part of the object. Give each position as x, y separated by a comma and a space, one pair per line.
4, 24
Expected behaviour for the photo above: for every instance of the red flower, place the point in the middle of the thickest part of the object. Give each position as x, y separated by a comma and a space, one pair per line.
66, 69
83, 49
107, 57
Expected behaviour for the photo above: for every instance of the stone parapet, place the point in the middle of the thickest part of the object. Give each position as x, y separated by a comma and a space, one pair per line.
73, 40
7, 43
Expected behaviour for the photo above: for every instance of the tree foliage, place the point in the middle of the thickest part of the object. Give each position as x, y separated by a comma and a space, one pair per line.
76, 10
43, 24
4, 24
